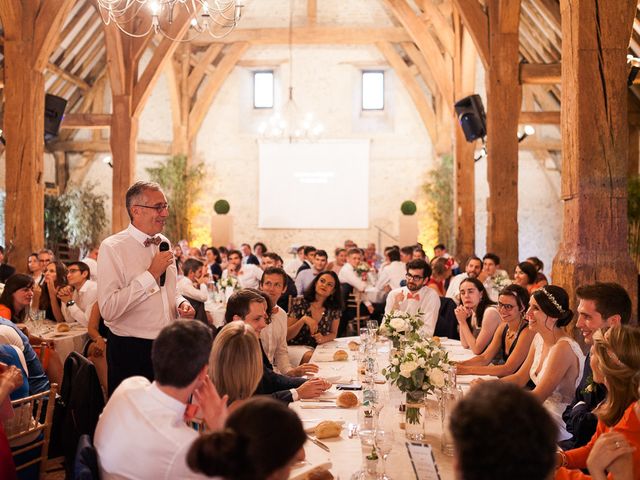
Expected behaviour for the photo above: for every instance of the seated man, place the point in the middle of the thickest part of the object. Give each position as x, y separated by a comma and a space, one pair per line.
601, 306
305, 277
274, 336
309, 253
79, 296
193, 284
501, 431
248, 275
142, 431
471, 270
251, 307
391, 276
416, 296
271, 259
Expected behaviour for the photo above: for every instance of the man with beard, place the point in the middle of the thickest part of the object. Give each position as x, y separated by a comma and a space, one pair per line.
471, 270
416, 296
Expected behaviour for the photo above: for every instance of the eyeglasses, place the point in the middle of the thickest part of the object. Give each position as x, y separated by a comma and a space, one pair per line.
73, 270
415, 278
507, 306
157, 208
327, 283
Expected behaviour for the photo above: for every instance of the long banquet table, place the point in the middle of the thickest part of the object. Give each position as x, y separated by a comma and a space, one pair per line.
345, 453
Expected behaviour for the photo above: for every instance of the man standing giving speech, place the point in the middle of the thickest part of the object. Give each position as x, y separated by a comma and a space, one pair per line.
137, 285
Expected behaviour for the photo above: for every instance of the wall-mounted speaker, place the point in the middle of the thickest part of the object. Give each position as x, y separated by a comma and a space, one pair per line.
53, 110
471, 116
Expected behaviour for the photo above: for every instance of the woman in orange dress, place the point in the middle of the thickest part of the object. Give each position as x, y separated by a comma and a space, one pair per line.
615, 361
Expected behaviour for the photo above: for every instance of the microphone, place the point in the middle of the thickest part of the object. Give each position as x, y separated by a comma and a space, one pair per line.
164, 246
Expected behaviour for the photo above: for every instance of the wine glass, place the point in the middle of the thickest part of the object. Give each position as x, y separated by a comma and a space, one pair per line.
384, 444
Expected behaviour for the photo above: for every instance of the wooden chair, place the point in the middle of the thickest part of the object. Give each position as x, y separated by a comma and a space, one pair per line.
354, 301
26, 425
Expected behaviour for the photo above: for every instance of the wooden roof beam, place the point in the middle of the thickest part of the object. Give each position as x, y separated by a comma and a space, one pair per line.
531, 73
312, 12
198, 72
89, 121
552, 118
68, 76
476, 21
426, 44
49, 20
425, 110
441, 25
211, 88
311, 35
103, 146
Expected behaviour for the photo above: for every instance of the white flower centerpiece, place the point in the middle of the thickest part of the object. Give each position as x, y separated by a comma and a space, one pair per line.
227, 286
362, 270
419, 368
399, 327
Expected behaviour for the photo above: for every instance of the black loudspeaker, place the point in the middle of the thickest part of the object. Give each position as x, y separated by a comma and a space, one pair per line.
472, 118
53, 111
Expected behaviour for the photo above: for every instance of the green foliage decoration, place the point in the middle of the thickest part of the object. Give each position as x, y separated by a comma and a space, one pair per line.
439, 191
221, 207
85, 216
408, 207
633, 215
181, 184
55, 221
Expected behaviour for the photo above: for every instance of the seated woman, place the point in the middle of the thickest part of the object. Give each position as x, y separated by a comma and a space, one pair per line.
615, 362
16, 297
525, 276
477, 316
261, 440
46, 298
10, 380
14, 303
554, 362
541, 279
37, 378
236, 344
440, 272
511, 340
314, 318
33, 266
213, 260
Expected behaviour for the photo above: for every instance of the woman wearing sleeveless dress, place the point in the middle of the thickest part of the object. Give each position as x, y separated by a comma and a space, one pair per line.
555, 361
511, 340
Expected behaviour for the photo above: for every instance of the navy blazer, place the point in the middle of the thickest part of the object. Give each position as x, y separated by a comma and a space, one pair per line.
275, 384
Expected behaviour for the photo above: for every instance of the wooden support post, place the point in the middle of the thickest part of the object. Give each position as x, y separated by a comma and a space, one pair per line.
595, 145
30, 35
504, 97
464, 74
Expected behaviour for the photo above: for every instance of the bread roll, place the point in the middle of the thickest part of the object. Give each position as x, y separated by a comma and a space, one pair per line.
353, 346
328, 429
319, 473
340, 356
436, 339
62, 327
347, 400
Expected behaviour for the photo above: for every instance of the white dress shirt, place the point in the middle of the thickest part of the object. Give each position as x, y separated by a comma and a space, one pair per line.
304, 279
248, 277
453, 291
186, 288
274, 341
93, 267
392, 275
348, 275
84, 298
428, 303
131, 301
142, 434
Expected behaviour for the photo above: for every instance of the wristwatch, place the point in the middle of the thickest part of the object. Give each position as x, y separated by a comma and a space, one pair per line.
70, 303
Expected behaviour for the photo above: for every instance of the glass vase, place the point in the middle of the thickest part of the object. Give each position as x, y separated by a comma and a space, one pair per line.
415, 416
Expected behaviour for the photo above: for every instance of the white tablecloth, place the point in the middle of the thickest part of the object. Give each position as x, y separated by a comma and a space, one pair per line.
345, 455
65, 342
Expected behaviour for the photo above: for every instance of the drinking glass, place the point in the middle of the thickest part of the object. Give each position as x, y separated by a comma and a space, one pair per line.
372, 325
364, 335
384, 444
369, 454
448, 400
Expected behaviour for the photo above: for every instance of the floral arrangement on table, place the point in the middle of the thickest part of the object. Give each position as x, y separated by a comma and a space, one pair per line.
399, 326
500, 280
419, 368
362, 270
226, 282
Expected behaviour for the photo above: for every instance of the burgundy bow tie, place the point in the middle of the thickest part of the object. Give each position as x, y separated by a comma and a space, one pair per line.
152, 240
413, 296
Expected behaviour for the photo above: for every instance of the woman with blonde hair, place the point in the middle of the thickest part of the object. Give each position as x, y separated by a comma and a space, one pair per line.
615, 362
235, 364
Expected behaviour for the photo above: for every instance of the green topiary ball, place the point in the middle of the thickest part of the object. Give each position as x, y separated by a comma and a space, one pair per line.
221, 207
408, 207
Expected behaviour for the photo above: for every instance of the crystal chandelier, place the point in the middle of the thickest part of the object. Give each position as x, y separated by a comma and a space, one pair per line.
138, 18
289, 124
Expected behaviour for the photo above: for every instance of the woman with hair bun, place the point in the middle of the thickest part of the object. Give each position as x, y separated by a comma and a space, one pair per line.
261, 440
525, 275
555, 361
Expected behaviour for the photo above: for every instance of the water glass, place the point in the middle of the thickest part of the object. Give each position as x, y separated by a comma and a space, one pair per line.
372, 325
448, 400
384, 444
369, 453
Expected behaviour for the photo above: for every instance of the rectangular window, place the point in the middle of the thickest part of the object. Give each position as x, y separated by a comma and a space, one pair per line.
372, 90
263, 89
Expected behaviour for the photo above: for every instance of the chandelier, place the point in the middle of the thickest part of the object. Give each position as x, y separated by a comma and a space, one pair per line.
139, 18
290, 124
